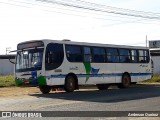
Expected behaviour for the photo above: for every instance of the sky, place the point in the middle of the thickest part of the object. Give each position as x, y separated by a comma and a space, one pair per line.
23, 20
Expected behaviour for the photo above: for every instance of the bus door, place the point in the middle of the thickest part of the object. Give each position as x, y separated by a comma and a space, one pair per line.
53, 59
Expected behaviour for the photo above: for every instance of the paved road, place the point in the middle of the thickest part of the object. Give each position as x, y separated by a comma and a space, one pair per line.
135, 98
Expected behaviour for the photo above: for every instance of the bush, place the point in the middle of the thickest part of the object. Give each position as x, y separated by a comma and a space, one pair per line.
155, 79
7, 80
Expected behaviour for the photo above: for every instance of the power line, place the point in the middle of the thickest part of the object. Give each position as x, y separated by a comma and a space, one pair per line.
28, 3
68, 9
116, 8
99, 13
108, 9
13, 4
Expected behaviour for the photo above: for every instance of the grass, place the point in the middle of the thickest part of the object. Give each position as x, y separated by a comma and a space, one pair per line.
7, 80
155, 79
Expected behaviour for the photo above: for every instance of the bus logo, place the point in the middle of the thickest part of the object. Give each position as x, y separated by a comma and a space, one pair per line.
6, 114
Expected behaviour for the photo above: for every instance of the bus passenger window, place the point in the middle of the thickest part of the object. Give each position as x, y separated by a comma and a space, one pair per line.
87, 54
74, 53
143, 56
124, 55
54, 56
134, 56
112, 55
98, 55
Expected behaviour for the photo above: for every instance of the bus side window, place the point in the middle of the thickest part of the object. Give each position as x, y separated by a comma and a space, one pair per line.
112, 55
143, 56
54, 56
124, 55
50, 57
87, 54
98, 55
146, 54
74, 53
134, 56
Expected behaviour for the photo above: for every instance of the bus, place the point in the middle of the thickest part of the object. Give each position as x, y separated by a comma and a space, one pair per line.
66, 64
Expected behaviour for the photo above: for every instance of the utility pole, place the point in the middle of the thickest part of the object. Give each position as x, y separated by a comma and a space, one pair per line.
146, 41
7, 50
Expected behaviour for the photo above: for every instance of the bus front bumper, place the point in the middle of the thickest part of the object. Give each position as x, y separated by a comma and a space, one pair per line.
26, 82
33, 81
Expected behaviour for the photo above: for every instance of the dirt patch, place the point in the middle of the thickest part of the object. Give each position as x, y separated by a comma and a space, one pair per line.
18, 91
22, 91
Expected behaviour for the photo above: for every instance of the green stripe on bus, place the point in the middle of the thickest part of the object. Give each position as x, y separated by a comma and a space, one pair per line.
42, 80
88, 70
18, 82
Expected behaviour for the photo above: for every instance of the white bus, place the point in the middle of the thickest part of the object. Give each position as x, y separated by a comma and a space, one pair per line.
66, 64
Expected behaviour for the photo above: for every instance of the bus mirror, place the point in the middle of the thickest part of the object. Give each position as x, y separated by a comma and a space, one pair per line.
13, 61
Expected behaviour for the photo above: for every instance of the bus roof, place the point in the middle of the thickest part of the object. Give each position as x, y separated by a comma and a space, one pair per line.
66, 41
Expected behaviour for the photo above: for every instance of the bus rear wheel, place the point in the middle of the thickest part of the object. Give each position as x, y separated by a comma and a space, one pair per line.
45, 89
102, 86
69, 84
126, 81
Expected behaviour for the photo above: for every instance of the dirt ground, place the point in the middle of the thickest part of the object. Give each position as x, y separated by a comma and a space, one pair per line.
26, 91
18, 91
21, 91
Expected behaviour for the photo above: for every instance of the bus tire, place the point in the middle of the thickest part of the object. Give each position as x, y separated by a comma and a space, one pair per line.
45, 89
126, 81
102, 86
69, 84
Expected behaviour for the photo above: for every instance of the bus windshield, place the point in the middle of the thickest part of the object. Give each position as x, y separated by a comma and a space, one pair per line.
29, 60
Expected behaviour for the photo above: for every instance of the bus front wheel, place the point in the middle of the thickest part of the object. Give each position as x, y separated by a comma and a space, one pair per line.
126, 81
69, 84
45, 89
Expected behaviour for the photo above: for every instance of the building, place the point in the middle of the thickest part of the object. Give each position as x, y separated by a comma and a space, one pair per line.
6, 67
155, 54
154, 46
